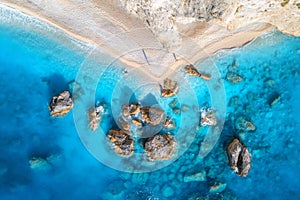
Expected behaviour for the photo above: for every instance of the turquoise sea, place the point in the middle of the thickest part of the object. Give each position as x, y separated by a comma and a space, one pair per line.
39, 62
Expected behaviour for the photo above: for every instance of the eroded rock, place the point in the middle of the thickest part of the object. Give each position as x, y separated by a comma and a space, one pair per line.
95, 116
160, 147
233, 77
239, 158
130, 109
169, 88
61, 104
152, 116
122, 142
244, 124
208, 117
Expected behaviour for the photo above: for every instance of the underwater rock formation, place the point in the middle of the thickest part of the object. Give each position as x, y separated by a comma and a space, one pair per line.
122, 142
233, 77
95, 116
191, 70
208, 117
169, 88
217, 188
152, 116
199, 176
160, 147
239, 158
61, 104
244, 124
130, 109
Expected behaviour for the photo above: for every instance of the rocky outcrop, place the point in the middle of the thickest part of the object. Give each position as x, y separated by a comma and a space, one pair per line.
239, 158
169, 88
61, 104
95, 116
160, 147
122, 142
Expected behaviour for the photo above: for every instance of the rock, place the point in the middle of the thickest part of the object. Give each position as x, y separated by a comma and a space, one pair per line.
208, 117
233, 77
136, 122
200, 176
191, 70
169, 88
61, 104
239, 158
124, 124
39, 163
169, 124
273, 99
244, 124
95, 116
218, 188
160, 147
167, 191
152, 116
122, 142
130, 109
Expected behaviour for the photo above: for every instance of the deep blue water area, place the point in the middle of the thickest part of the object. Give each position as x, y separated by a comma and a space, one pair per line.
33, 68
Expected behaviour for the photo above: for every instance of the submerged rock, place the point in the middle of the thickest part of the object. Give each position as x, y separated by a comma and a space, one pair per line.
152, 116
200, 176
95, 116
61, 104
169, 88
191, 70
130, 109
122, 142
233, 77
273, 99
160, 147
208, 117
217, 188
239, 158
244, 124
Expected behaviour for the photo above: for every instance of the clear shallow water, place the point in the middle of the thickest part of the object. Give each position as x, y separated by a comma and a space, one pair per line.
32, 72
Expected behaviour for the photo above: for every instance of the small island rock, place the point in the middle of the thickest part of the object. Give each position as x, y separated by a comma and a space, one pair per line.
61, 104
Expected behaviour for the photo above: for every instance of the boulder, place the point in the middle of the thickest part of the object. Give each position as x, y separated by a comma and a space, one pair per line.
233, 77
160, 147
95, 116
169, 88
239, 158
208, 117
152, 116
244, 124
122, 142
61, 104
130, 109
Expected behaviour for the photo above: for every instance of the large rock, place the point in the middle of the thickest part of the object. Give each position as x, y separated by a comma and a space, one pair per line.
239, 158
152, 116
160, 147
169, 88
122, 142
95, 116
130, 109
61, 104
208, 117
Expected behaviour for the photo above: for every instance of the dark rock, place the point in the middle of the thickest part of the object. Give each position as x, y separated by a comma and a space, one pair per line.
61, 104
130, 109
152, 116
244, 124
160, 147
122, 142
233, 77
169, 88
239, 158
95, 116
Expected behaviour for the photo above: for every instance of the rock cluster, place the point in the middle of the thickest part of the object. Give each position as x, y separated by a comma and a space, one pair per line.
95, 116
191, 70
239, 158
160, 147
61, 104
208, 117
169, 88
122, 142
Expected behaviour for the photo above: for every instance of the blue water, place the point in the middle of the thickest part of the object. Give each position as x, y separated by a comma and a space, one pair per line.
33, 68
